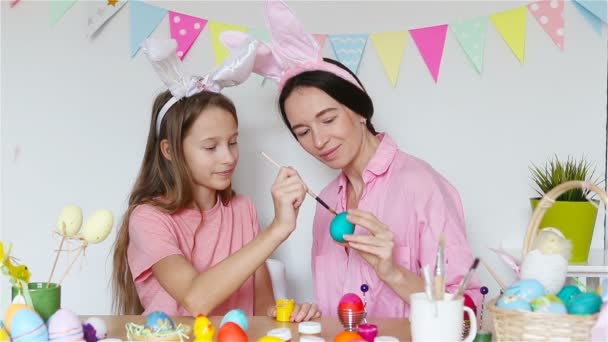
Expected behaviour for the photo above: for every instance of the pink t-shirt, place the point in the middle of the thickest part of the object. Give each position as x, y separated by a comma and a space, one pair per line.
417, 204
204, 239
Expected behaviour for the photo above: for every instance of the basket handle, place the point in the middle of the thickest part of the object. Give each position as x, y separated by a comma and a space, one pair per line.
547, 201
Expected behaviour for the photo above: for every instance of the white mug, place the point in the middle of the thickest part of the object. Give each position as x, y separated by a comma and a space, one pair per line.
443, 322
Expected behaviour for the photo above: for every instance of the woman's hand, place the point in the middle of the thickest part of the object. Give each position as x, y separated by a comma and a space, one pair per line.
377, 247
301, 312
288, 193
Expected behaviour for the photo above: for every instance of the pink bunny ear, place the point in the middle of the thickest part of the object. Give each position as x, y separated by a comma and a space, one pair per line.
508, 259
266, 63
290, 42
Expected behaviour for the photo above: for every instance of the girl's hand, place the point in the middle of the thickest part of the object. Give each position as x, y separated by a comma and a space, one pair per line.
376, 248
288, 193
301, 312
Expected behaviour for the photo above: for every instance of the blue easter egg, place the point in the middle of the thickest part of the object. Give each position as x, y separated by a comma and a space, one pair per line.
159, 321
236, 316
27, 326
567, 293
510, 302
548, 304
527, 289
586, 303
340, 226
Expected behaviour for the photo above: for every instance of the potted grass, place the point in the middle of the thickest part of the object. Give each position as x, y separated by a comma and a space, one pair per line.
573, 213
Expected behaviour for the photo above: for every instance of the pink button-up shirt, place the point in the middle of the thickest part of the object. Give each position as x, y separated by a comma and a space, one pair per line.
417, 204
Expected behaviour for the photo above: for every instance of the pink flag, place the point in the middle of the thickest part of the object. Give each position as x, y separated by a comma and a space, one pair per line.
185, 29
320, 38
430, 42
14, 2
550, 15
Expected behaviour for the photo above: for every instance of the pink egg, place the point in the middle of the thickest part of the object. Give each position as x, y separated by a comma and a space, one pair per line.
64, 326
351, 301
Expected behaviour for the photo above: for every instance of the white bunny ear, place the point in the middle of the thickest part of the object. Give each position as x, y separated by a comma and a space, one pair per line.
162, 55
266, 64
290, 42
235, 69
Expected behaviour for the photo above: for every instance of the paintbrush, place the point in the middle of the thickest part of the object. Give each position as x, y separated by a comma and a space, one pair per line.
467, 278
440, 269
308, 191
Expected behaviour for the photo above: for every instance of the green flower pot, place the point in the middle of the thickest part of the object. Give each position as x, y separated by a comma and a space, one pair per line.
576, 220
46, 300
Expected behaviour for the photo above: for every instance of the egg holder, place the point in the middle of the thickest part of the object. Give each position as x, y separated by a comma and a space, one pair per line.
138, 332
511, 325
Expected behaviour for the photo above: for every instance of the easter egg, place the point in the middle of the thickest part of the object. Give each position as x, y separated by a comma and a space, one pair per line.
203, 330
347, 336
98, 227
567, 292
351, 301
27, 326
510, 302
270, 339
340, 226
526, 289
64, 325
10, 313
586, 303
159, 321
237, 316
231, 332
94, 329
4, 336
69, 220
548, 304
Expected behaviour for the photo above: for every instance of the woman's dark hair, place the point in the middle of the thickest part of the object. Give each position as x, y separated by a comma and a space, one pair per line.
341, 90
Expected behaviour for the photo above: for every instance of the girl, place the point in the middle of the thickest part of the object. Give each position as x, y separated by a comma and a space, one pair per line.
399, 204
188, 244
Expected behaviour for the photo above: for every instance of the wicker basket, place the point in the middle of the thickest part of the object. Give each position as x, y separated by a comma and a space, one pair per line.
512, 325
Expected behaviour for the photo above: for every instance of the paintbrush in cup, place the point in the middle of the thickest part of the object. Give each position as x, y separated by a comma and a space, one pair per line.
467, 278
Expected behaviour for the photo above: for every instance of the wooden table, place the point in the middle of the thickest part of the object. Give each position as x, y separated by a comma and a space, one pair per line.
259, 325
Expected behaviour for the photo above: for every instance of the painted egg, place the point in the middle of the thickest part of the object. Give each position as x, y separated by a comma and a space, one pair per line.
510, 302
95, 329
351, 301
340, 226
237, 316
203, 329
10, 313
159, 321
27, 326
567, 293
347, 336
64, 325
271, 339
231, 332
69, 220
526, 289
586, 303
4, 336
98, 227
548, 304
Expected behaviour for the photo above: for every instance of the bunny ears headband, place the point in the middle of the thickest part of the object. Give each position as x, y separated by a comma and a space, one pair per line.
234, 70
292, 51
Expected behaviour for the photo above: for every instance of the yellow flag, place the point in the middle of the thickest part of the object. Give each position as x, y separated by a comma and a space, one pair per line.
511, 25
216, 28
390, 47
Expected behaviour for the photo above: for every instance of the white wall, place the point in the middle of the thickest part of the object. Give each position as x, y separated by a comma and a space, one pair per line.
78, 112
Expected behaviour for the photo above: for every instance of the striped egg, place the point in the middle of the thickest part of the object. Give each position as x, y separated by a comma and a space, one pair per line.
65, 326
27, 326
10, 313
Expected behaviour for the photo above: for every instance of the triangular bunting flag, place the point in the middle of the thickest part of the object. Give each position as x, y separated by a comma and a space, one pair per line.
430, 42
102, 13
14, 2
216, 28
320, 38
349, 49
511, 25
471, 35
595, 22
597, 7
58, 9
185, 29
550, 15
144, 19
390, 47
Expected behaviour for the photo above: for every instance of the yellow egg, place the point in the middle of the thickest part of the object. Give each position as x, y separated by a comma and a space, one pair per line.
271, 339
4, 335
11, 311
98, 227
69, 220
